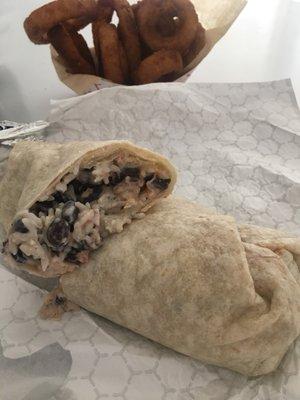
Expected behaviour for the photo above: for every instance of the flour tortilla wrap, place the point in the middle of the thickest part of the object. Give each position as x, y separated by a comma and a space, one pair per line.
58, 201
196, 282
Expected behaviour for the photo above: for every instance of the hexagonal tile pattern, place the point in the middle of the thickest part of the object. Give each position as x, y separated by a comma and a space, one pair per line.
29, 302
78, 389
146, 386
111, 375
84, 359
237, 149
140, 355
175, 373
16, 352
7, 294
19, 332
178, 395
76, 329
45, 338
105, 343
6, 316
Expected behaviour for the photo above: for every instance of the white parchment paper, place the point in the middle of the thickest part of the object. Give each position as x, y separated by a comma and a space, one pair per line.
237, 149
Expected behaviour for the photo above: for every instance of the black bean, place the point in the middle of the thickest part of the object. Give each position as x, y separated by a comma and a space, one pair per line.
20, 257
70, 213
85, 176
72, 256
59, 300
79, 187
114, 179
132, 172
61, 197
161, 183
41, 206
58, 232
148, 177
96, 193
19, 226
82, 246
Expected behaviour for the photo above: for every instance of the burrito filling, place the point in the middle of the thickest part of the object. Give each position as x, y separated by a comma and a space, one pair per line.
56, 304
87, 205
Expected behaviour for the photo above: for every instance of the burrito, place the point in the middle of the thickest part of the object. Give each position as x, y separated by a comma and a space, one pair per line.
196, 282
59, 202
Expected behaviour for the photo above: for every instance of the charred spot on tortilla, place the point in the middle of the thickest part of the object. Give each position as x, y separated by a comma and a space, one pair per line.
86, 205
19, 226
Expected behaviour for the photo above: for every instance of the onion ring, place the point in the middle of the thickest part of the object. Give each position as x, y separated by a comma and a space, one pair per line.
82, 47
73, 49
196, 46
156, 66
145, 50
109, 47
48, 16
104, 11
167, 27
135, 7
124, 62
95, 27
128, 33
150, 13
76, 24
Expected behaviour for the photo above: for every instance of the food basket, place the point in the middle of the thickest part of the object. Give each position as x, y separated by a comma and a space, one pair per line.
216, 16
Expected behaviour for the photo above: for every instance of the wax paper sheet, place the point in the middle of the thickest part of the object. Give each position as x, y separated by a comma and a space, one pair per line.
237, 149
